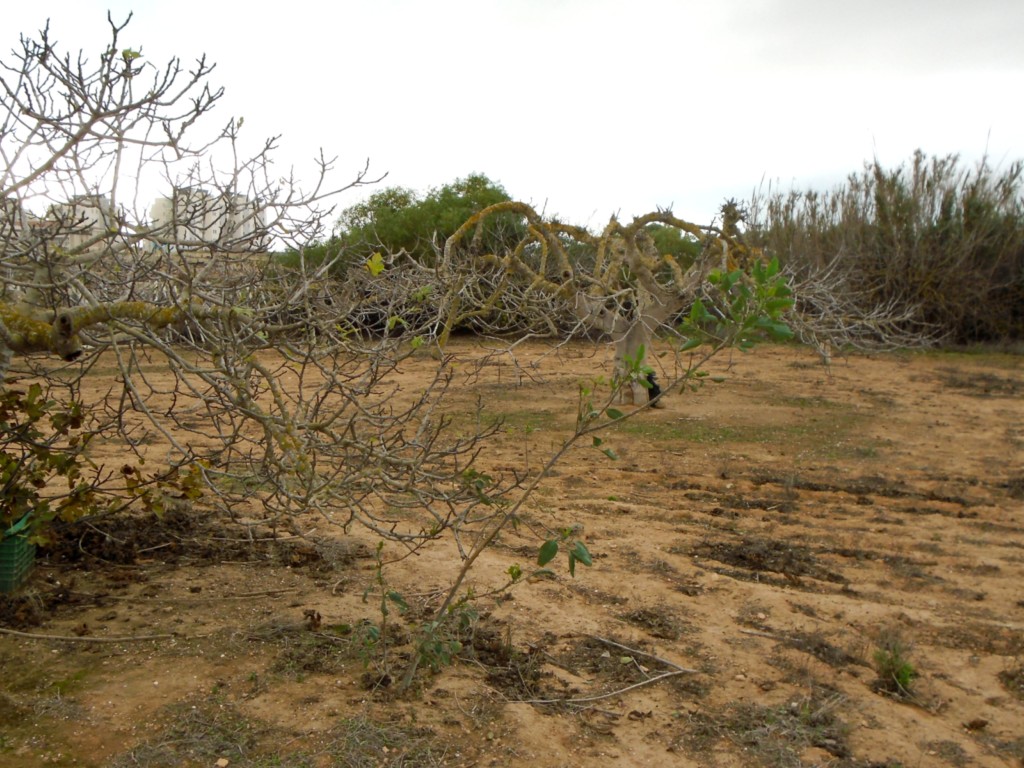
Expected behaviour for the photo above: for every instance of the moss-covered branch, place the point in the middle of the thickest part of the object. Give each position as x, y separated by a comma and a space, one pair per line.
26, 329
616, 264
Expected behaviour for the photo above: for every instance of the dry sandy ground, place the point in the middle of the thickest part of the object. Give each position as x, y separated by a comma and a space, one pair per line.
760, 547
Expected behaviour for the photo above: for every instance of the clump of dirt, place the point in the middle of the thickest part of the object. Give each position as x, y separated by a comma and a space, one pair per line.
610, 663
118, 545
302, 652
821, 649
783, 506
760, 556
656, 622
179, 535
23, 611
518, 674
1014, 487
1013, 680
980, 383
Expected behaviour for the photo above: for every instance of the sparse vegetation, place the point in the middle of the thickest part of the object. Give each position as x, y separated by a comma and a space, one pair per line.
1013, 679
331, 518
896, 673
697, 562
773, 737
197, 733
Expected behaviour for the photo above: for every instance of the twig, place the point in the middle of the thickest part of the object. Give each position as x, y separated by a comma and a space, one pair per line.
260, 593
289, 537
75, 639
755, 633
196, 598
241, 596
158, 546
585, 699
666, 662
676, 670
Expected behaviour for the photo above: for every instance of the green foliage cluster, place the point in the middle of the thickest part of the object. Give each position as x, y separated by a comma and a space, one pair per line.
397, 218
42, 444
576, 550
747, 308
674, 242
896, 673
933, 237
315, 254
46, 475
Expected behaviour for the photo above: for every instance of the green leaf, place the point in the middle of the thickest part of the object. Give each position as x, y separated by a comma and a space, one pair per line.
572, 565
691, 343
774, 306
610, 454
397, 599
375, 264
614, 413
581, 553
698, 313
597, 442
547, 553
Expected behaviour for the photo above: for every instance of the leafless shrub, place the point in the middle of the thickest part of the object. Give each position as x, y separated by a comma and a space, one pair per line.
280, 386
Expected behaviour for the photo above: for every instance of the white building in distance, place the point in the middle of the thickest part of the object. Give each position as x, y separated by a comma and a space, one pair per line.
194, 219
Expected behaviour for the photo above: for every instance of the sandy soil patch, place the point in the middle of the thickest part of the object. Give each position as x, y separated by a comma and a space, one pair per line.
761, 547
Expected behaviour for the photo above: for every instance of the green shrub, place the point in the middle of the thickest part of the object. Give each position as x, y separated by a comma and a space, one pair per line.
398, 218
41, 442
895, 672
45, 472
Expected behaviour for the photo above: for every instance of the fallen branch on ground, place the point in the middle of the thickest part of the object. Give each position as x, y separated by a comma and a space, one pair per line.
676, 671
76, 639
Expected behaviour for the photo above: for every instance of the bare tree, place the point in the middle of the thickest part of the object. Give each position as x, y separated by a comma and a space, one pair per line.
270, 394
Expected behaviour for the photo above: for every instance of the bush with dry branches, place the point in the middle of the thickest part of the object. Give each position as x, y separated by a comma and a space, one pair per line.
929, 251
261, 400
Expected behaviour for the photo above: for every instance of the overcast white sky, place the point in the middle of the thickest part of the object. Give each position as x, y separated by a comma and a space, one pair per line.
593, 107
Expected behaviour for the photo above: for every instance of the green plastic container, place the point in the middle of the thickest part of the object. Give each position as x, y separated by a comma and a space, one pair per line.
17, 556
